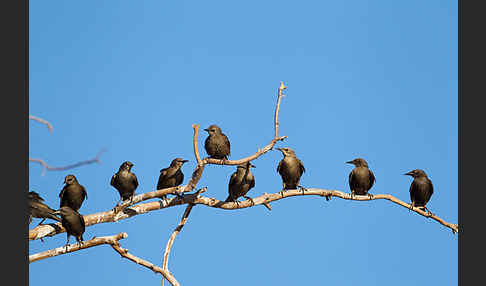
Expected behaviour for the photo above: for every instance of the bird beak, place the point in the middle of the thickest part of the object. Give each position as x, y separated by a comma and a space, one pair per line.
185, 161
252, 166
350, 162
207, 130
57, 212
279, 149
408, 174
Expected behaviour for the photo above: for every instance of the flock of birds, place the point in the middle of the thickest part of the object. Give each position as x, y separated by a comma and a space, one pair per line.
217, 145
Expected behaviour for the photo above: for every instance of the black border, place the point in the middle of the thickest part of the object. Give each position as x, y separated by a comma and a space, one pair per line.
15, 84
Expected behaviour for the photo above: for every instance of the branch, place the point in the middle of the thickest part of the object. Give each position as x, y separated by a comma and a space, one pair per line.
40, 120
109, 216
185, 216
76, 246
96, 159
165, 273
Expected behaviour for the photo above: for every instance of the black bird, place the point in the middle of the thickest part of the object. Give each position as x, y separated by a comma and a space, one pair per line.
38, 209
171, 176
361, 179
217, 144
72, 194
421, 188
73, 222
241, 181
125, 181
290, 168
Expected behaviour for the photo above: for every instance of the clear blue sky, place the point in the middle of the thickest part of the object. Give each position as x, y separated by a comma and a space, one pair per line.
371, 79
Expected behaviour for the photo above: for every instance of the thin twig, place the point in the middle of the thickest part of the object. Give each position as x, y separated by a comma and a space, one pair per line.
40, 120
96, 159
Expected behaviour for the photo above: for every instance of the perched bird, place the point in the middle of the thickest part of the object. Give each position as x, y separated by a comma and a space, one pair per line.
73, 222
421, 188
171, 176
125, 181
72, 194
38, 209
241, 181
361, 179
217, 144
290, 168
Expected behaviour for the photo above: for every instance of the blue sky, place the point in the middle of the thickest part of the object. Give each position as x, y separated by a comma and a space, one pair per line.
371, 79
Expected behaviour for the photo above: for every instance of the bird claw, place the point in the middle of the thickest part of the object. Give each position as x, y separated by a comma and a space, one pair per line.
370, 196
302, 189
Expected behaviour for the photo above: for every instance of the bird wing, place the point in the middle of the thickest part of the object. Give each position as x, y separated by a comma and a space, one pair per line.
350, 180
163, 175
301, 166
232, 182
61, 194
372, 178
134, 180
179, 178
81, 218
83, 190
227, 142
113, 178
429, 194
252, 183
279, 166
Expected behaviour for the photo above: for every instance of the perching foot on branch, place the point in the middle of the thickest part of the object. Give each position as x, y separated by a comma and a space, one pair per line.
370, 196
250, 199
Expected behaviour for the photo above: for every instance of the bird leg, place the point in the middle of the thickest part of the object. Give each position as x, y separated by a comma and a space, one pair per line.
67, 241
302, 188
250, 199
412, 205
41, 221
352, 194
429, 213
164, 198
370, 196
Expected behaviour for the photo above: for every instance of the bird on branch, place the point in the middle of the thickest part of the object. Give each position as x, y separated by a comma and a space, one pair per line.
72, 194
124, 181
73, 222
217, 144
421, 189
38, 209
171, 176
361, 178
290, 169
241, 181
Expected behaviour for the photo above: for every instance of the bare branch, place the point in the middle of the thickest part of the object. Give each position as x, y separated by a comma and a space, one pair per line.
176, 231
76, 246
165, 273
109, 216
40, 120
96, 159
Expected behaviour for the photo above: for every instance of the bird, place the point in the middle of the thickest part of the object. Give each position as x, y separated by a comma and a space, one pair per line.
361, 178
241, 181
125, 181
171, 176
38, 209
217, 144
421, 189
72, 194
73, 222
290, 169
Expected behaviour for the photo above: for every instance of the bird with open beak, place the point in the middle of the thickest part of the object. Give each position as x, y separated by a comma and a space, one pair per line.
241, 181
217, 144
421, 189
361, 178
290, 169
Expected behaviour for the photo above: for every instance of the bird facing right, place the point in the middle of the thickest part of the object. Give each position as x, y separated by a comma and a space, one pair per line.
124, 181
217, 144
73, 222
171, 176
72, 194
361, 179
290, 169
241, 181
421, 188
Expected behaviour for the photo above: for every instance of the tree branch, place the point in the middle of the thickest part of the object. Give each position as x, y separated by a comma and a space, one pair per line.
40, 120
109, 216
76, 246
96, 159
176, 231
